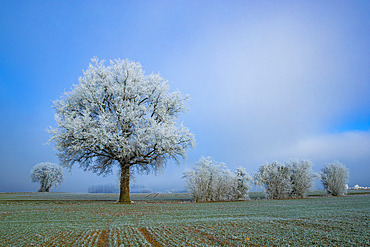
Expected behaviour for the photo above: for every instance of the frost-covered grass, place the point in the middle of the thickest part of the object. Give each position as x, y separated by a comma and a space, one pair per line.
139, 197
325, 221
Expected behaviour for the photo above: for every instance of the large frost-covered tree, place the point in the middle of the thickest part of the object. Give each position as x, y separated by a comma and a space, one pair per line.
334, 177
117, 115
48, 174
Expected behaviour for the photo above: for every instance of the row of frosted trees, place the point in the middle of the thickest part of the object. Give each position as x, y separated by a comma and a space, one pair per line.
212, 181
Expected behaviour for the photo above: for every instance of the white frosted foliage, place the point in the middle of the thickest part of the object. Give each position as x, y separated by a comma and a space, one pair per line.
275, 179
47, 174
334, 177
302, 177
119, 115
212, 181
292, 179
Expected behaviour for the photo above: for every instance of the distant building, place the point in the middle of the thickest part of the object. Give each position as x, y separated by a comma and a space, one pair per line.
358, 187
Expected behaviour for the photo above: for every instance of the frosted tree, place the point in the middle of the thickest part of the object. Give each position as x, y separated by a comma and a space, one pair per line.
242, 183
212, 181
275, 179
47, 174
117, 115
223, 185
334, 177
301, 176
201, 180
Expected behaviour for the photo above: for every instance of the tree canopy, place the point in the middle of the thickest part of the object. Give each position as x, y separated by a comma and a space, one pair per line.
212, 181
334, 177
117, 115
48, 174
290, 180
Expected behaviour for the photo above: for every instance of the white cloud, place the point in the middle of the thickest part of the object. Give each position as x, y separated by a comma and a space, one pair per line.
351, 146
272, 88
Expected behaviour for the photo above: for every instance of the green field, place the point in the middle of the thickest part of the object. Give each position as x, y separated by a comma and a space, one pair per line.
67, 219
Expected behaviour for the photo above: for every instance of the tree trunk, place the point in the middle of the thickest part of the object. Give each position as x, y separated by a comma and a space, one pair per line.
42, 188
124, 195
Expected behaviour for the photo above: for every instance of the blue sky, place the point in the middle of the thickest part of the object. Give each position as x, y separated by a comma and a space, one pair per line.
268, 80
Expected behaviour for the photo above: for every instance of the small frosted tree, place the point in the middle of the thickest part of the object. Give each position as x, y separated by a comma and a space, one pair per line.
334, 177
301, 177
47, 174
275, 179
241, 184
118, 116
201, 180
212, 181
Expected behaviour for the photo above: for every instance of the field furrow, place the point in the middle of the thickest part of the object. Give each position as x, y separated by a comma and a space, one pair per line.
149, 237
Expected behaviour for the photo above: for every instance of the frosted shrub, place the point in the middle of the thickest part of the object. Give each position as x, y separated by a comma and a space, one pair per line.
212, 181
275, 179
334, 177
290, 180
301, 177
200, 180
48, 174
241, 183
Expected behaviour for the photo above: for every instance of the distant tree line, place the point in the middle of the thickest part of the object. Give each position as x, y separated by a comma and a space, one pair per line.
111, 188
103, 188
212, 181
